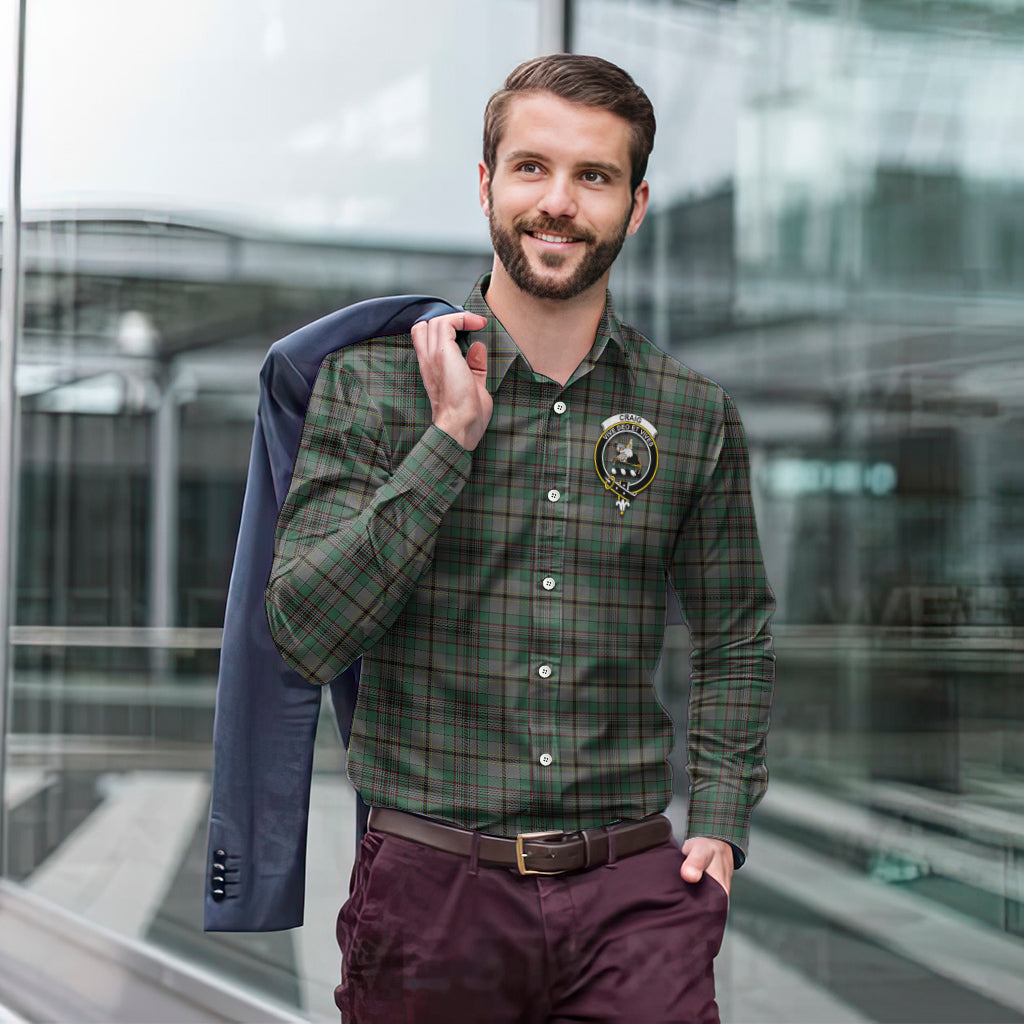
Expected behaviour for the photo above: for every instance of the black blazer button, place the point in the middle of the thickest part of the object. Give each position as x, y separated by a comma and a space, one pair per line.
218, 895
219, 868
219, 854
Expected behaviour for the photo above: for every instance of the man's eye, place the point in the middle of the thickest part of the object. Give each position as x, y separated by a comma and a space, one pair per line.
529, 168
593, 177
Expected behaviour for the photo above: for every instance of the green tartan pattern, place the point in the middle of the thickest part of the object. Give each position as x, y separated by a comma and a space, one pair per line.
430, 562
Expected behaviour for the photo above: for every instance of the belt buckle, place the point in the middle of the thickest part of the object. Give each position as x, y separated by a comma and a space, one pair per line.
521, 855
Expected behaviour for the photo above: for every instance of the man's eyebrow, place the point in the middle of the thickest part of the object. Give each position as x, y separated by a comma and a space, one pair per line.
611, 170
522, 154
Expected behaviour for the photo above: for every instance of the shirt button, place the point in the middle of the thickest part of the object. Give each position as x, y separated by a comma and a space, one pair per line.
545, 759
544, 671
554, 495
548, 583
559, 407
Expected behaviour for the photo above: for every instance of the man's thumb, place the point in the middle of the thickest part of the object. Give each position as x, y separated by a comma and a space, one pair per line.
477, 357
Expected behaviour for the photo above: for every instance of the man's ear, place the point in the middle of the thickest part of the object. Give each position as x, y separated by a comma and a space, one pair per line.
640, 199
485, 185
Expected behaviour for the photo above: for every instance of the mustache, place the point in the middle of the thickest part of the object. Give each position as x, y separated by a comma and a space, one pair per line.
546, 226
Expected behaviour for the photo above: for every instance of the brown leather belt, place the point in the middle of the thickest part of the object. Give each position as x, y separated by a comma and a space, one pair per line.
531, 853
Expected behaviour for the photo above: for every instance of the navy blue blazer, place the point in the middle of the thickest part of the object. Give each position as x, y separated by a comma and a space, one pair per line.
266, 714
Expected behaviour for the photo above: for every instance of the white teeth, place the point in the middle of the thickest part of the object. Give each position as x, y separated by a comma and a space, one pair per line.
551, 238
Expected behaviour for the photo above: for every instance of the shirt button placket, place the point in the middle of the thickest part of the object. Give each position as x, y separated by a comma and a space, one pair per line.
549, 543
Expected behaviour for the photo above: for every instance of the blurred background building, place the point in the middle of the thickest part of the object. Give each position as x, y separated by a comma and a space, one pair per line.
836, 235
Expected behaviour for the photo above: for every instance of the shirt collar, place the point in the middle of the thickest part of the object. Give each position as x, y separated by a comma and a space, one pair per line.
502, 349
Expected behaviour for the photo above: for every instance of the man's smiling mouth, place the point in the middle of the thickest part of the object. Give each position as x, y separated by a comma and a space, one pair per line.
545, 237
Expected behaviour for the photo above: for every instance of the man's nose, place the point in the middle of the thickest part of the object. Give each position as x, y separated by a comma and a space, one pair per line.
559, 199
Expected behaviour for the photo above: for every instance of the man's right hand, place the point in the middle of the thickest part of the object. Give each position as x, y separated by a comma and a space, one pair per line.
457, 386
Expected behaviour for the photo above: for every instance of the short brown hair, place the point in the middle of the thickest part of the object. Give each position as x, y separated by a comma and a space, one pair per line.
575, 77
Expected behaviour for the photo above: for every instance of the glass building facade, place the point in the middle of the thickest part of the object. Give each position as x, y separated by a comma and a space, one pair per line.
836, 235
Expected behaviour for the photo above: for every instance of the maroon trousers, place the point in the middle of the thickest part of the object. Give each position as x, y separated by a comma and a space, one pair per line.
432, 938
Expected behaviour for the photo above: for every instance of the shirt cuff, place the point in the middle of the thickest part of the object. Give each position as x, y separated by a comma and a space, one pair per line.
719, 812
436, 470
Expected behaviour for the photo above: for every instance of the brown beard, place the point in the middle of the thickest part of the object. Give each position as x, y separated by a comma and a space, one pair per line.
509, 250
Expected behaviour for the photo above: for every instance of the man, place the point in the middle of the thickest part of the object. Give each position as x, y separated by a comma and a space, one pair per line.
491, 525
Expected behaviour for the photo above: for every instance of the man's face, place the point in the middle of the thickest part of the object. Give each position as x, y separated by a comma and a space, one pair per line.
559, 203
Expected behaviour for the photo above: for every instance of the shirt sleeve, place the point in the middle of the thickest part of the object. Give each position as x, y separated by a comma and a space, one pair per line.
355, 534
727, 603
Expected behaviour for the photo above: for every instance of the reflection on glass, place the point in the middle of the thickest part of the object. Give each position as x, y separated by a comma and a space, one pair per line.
836, 236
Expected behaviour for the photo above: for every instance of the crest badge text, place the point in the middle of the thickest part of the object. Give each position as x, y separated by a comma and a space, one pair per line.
626, 457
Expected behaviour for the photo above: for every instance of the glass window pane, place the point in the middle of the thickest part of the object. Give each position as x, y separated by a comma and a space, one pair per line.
200, 179
836, 236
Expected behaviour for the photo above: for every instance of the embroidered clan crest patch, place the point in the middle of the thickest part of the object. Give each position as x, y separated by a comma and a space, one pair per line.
626, 457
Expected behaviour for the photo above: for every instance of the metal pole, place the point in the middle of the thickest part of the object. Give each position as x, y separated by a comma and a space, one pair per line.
553, 26
10, 318
163, 547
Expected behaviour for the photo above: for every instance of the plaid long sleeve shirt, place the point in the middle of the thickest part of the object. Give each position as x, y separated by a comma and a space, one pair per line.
509, 603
